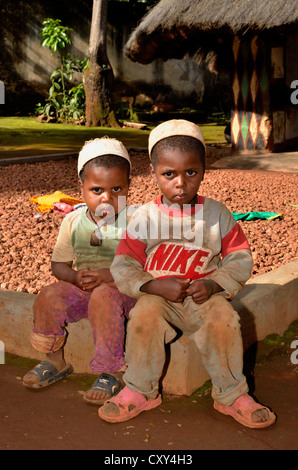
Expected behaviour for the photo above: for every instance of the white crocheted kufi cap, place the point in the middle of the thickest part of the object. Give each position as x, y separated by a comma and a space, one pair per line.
99, 147
174, 127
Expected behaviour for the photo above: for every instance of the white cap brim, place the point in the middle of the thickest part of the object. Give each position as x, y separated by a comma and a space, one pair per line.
172, 128
100, 147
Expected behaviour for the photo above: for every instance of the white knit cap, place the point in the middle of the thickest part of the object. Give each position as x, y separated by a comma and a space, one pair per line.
174, 127
99, 147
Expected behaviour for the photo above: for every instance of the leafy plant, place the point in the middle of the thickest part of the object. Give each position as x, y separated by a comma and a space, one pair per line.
76, 104
65, 102
54, 36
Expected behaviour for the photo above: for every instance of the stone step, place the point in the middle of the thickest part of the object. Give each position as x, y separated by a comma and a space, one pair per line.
268, 304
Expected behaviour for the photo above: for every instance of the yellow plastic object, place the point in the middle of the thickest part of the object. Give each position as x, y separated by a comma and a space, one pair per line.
46, 202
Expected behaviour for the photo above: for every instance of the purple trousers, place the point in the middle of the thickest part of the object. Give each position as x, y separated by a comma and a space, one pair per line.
62, 303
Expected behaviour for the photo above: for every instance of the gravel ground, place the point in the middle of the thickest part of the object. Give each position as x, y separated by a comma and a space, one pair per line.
26, 243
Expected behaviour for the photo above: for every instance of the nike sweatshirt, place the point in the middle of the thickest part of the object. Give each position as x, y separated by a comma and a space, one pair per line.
199, 242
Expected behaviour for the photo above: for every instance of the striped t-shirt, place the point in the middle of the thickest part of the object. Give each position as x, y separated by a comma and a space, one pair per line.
73, 242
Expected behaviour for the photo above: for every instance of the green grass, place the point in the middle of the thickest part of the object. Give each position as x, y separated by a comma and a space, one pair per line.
23, 136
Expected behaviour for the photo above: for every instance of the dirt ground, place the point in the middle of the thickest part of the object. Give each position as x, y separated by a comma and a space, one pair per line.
57, 418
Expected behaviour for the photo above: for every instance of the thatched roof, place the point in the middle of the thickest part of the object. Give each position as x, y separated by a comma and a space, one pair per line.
199, 27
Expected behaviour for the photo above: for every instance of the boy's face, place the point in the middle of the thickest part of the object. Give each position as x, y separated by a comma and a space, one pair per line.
101, 190
178, 174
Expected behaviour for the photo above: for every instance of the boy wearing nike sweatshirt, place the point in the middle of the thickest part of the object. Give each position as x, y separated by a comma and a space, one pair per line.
183, 257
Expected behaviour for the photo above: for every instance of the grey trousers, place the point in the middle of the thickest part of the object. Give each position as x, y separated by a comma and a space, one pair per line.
152, 324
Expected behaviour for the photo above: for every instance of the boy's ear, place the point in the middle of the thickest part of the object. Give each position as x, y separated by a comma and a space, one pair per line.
152, 171
81, 187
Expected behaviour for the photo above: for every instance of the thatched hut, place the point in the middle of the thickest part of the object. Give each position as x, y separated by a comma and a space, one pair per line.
256, 40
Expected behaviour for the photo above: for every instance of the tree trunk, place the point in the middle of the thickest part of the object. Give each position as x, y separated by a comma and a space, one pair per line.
99, 77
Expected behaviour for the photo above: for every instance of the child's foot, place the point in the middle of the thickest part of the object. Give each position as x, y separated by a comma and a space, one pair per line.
106, 386
126, 405
247, 412
51, 370
45, 374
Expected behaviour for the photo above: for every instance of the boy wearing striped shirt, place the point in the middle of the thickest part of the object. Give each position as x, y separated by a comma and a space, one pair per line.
81, 260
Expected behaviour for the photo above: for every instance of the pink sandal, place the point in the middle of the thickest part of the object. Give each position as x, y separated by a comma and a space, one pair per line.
243, 408
129, 404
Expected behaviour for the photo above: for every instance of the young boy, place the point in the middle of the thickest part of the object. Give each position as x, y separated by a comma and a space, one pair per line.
183, 256
81, 260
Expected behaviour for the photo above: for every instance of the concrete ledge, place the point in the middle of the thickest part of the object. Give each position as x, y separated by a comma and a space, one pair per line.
16, 325
268, 304
36, 158
286, 161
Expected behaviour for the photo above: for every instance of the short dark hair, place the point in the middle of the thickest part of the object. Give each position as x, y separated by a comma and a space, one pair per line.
183, 142
107, 161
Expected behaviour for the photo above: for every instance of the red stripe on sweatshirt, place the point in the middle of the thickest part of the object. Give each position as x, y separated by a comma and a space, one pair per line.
132, 247
234, 240
186, 211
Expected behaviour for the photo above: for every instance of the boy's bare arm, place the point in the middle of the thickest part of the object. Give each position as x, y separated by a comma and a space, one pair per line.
64, 271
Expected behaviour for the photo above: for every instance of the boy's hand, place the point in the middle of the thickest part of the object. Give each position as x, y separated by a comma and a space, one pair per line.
173, 289
202, 289
87, 279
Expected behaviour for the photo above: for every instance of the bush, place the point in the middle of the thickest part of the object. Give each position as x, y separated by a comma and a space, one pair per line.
65, 102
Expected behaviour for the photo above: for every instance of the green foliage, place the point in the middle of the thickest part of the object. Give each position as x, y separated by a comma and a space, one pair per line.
125, 112
77, 100
54, 35
220, 118
65, 101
